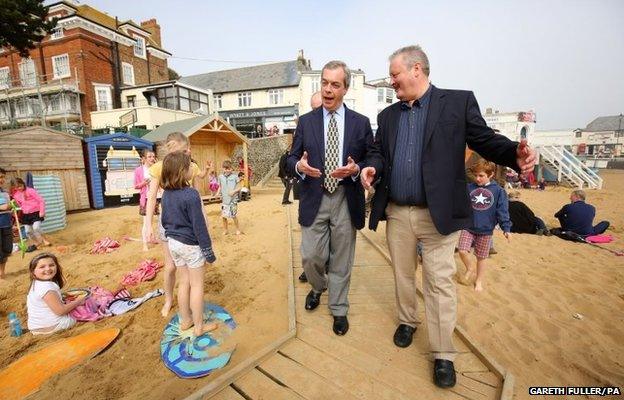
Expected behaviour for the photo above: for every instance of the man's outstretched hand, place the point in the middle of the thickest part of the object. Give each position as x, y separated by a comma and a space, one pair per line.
305, 168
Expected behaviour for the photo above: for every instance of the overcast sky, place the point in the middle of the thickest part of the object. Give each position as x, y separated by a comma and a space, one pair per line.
563, 59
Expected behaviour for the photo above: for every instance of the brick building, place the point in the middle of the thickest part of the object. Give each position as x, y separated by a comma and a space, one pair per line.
80, 67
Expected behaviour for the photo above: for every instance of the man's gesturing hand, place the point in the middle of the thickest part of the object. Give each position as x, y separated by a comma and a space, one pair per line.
305, 168
348, 170
367, 177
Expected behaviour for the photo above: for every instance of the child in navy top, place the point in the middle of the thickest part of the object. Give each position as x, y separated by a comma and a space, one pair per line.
189, 242
489, 207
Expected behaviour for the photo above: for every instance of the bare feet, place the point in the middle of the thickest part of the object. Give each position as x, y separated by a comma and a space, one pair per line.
225, 233
145, 248
46, 243
184, 325
239, 232
164, 311
468, 276
205, 328
478, 286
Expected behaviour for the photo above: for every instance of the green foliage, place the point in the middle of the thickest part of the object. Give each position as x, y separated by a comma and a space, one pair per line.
23, 24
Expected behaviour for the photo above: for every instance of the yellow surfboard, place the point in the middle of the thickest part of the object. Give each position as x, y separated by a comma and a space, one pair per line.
26, 375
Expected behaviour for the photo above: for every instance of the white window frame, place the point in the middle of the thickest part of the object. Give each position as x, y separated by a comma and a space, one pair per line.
25, 80
55, 69
276, 96
5, 80
139, 51
124, 72
109, 100
244, 99
217, 101
381, 95
57, 33
315, 84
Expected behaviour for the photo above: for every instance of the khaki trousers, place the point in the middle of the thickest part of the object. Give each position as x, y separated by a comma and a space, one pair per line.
407, 225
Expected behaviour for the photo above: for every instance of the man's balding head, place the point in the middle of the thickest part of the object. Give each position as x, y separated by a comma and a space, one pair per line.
316, 100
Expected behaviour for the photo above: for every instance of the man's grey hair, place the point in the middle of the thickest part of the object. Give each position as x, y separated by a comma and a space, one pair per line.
580, 194
413, 55
339, 64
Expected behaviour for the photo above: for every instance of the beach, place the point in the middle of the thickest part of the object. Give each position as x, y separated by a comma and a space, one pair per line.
552, 311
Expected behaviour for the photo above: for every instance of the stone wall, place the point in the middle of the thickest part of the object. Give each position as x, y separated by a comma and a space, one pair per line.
264, 153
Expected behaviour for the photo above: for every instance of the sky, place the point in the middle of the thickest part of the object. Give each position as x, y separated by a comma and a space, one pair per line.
563, 59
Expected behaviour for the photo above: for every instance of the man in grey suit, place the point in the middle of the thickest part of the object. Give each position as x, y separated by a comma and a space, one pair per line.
328, 151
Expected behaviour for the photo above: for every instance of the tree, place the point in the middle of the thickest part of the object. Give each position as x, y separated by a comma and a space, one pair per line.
23, 24
173, 76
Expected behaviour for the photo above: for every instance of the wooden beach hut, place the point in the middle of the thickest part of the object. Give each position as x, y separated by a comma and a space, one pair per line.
111, 161
45, 151
211, 137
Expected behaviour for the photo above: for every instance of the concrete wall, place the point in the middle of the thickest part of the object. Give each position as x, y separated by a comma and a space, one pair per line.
264, 153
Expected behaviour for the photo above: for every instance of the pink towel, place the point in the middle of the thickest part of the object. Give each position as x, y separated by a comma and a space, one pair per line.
602, 238
105, 245
95, 307
146, 271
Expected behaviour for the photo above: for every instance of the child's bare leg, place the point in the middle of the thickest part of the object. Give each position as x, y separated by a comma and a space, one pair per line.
238, 232
184, 308
196, 276
2, 266
144, 234
481, 262
225, 226
470, 270
169, 278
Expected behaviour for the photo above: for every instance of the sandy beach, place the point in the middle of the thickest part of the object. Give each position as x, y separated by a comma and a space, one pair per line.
552, 312
249, 279
525, 319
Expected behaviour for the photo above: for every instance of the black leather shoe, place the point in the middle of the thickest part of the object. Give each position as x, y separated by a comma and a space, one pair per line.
403, 335
443, 373
341, 325
303, 277
312, 300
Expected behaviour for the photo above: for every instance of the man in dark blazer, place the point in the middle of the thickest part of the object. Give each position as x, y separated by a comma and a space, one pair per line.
417, 164
328, 151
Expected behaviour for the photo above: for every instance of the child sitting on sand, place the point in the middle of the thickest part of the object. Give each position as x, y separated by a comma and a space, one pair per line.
189, 242
229, 189
33, 212
47, 313
489, 206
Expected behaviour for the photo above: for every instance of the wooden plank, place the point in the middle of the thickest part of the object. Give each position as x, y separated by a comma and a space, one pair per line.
301, 380
507, 393
362, 382
489, 378
227, 394
255, 385
412, 383
240, 369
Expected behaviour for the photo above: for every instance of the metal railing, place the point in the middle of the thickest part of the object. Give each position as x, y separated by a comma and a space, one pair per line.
570, 167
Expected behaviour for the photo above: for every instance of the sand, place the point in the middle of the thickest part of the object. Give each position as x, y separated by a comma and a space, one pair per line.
249, 280
525, 318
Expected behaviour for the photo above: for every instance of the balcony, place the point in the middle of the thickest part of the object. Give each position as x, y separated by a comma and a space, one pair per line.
147, 115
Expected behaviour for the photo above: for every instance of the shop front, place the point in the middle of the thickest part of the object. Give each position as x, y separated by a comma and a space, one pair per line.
263, 122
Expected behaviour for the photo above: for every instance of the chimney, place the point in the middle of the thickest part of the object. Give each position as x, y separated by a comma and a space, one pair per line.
151, 25
488, 110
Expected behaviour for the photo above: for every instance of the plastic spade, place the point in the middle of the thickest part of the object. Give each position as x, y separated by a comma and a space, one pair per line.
22, 245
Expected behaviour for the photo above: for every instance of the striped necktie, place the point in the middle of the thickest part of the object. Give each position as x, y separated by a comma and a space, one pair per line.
331, 153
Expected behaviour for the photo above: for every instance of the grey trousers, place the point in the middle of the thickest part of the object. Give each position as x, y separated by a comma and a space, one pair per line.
332, 236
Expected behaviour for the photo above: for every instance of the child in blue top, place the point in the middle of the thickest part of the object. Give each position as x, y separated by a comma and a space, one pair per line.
489, 207
189, 242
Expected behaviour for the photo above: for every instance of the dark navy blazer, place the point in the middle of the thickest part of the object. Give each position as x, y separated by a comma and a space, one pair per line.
453, 121
310, 137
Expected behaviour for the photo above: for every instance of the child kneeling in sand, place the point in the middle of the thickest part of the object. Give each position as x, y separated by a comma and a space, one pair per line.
47, 313
189, 242
489, 206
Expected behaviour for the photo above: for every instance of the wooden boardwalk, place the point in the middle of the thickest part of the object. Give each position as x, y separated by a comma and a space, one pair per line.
363, 364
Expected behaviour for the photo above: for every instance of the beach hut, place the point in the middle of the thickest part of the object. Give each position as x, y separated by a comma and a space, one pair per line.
111, 161
45, 152
211, 137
